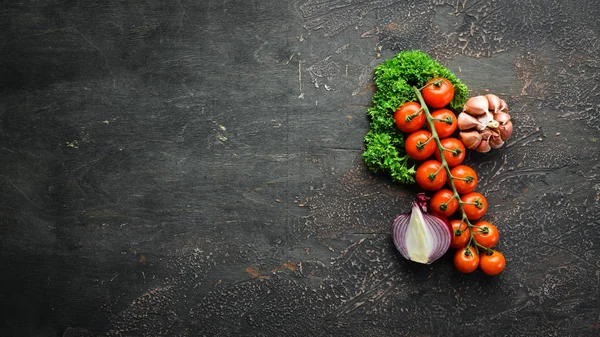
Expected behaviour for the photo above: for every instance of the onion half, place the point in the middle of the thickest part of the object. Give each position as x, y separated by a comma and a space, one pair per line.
419, 236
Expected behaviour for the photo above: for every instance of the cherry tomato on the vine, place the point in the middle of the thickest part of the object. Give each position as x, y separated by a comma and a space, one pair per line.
492, 264
419, 145
431, 176
443, 203
465, 234
454, 151
465, 179
485, 234
466, 259
444, 219
474, 204
445, 122
409, 117
438, 92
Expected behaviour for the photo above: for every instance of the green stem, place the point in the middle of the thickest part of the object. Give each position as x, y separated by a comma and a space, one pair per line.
412, 116
468, 179
436, 83
421, 146
435, 136
447, 120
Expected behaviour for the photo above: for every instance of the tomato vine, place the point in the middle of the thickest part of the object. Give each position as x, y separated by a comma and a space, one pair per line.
478, 203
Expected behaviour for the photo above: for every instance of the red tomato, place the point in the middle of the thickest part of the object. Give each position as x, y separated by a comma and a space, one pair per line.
445, 122
419, 145
492, 264
438, 92
443, 203
466, 260
474, 204
454, 151
431, 176
409, 117
465, 178
444, 219
485, 234
465, 234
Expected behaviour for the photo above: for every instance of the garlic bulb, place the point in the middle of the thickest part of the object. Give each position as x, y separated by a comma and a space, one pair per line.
484, 123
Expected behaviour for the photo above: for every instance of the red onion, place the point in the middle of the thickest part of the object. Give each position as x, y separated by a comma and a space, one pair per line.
419, 236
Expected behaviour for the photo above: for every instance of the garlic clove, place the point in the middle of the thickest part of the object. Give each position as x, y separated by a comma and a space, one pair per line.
505, 130
494, 102
484, 146
476, 106
502, 117
471, 139
503, 106
466, 122
496, 141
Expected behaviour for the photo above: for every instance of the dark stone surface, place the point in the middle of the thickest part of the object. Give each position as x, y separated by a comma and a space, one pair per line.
192, 168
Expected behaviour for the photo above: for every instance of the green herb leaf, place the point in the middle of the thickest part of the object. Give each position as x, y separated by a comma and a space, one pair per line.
394, 80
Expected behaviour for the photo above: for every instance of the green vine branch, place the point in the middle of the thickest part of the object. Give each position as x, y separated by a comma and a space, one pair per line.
436, 138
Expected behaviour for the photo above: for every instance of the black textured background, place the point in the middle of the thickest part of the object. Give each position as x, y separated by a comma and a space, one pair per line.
192, 168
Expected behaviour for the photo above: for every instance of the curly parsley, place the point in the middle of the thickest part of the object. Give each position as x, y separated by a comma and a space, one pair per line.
394, 80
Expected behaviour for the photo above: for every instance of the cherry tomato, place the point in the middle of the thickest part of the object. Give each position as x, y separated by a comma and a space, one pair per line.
465, 179
438, 92
447, 123
454, 151
443, 203
492, 264
486, 234
431, 176
465, 234
474, 204
466, 259
444, 219
419, 145
409, 117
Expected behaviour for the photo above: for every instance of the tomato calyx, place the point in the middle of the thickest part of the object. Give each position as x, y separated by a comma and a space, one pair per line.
477, 203
467, 179
468, 252
421, 145
447, 120
489, 251
432, 176
482, 230
412, 116
436, 83
454, 152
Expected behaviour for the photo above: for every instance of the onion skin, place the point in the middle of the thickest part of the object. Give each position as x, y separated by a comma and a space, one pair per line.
419, 236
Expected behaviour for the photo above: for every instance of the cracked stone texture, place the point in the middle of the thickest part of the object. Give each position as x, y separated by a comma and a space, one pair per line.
193, 168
